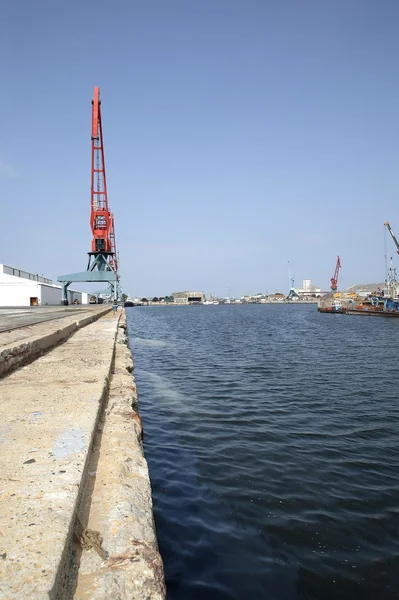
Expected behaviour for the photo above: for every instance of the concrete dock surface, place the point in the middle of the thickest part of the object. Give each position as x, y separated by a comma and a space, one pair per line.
20, 346
75, 498
20, 317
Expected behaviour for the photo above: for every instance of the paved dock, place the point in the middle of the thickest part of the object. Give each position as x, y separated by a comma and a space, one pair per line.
20, 317
76, 515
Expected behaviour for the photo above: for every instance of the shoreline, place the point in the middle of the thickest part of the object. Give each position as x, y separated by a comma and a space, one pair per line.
175, 304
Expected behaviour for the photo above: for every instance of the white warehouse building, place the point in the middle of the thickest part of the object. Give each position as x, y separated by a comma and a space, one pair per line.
20, 288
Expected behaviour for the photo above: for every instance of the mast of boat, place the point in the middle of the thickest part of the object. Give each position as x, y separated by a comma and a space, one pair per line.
391, 280
386, 256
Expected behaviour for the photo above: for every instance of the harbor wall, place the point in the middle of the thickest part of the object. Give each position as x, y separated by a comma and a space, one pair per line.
76, 518
117, 501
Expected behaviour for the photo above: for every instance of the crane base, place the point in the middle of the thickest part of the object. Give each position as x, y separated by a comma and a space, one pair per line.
98, 270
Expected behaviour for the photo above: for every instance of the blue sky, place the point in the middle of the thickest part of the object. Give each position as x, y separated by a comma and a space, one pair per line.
239, 135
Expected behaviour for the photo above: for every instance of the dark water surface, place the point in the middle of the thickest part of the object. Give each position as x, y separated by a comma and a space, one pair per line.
272, 438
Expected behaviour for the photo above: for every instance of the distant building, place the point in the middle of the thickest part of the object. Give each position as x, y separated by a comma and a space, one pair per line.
277, 297
365, 289
253, 299
20, 288
308, 289
188, 297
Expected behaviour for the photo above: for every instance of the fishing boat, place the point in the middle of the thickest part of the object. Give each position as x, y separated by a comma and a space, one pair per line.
379, 306
335, 307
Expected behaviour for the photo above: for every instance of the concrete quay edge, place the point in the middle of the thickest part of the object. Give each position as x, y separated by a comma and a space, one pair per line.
116, 506
49, 415
58, 510
15, 355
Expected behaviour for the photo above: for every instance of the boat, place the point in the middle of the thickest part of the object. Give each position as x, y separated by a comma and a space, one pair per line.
380, 303
379, 306
335, 307
130, 304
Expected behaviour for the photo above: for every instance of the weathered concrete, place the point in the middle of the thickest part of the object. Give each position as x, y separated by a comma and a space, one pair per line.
68, 469
20, 347
48, 416
117, 503
21, 317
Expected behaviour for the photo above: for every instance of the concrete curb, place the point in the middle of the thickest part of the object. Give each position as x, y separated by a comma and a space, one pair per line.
15, 356
117, 503
69, 387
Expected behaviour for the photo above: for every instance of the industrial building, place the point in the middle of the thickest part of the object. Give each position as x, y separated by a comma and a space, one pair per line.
308, 290
362, 290
188, 297
20, 288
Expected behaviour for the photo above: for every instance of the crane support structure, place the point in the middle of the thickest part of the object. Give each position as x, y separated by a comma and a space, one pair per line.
393, 236
334, 279
99, 217
103, 260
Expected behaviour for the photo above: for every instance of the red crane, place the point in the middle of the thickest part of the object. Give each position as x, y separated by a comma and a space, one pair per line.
334, 279
100, 218
103, 259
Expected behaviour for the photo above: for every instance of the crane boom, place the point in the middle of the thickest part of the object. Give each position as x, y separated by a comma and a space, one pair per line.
334, 279
100, 218
387, 225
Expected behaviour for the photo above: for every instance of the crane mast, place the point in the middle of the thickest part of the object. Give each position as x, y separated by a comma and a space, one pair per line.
100, 218
334, 279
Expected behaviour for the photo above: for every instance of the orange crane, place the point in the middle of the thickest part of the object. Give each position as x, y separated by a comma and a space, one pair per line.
100, 218
334, 279
103, 259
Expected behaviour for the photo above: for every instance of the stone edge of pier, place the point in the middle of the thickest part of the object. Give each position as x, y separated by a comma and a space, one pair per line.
116, 502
